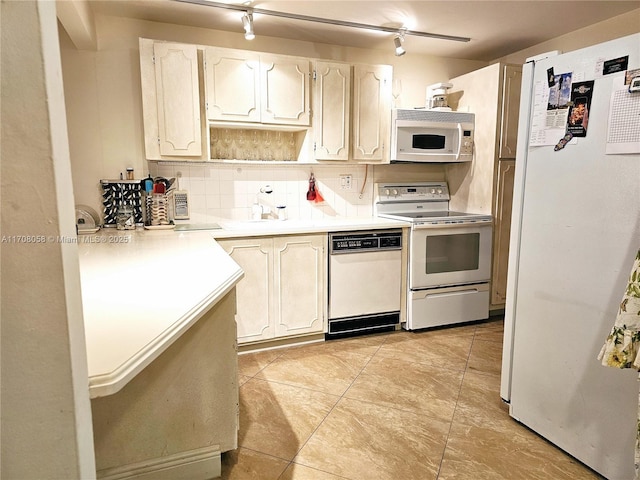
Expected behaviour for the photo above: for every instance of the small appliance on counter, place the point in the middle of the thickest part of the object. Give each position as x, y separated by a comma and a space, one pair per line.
121, 193
437, 96
87, 219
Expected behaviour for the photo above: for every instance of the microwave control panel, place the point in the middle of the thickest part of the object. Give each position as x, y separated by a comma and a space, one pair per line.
466, 146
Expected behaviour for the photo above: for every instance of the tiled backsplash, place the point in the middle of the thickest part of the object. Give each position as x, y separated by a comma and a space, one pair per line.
227, 191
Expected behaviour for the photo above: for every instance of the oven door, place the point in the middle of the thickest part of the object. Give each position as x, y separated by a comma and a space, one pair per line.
451, 254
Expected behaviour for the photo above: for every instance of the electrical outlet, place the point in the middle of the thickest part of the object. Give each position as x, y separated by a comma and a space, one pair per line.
346, 182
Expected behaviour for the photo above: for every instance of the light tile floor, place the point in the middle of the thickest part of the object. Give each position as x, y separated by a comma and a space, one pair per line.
395, 406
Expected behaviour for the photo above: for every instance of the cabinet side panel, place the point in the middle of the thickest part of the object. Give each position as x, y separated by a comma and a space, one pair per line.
149, 100
185, 400
510, 109
502, 229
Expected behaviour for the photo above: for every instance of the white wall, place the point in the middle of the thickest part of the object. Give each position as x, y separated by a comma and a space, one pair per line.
46, 417
616, 27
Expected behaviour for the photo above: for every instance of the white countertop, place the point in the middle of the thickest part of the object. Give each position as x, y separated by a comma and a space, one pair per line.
140, 291
297, 227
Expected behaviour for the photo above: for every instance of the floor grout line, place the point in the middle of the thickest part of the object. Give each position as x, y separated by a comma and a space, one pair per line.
475, 337
340, 397
455, 408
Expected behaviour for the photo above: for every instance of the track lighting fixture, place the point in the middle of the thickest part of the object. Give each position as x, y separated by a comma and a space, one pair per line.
247, 23
328, 21
397, 42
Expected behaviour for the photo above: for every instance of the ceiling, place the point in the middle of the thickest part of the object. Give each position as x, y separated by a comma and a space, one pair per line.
496, 28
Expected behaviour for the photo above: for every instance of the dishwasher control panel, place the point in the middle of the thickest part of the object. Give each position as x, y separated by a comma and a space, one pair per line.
365, 241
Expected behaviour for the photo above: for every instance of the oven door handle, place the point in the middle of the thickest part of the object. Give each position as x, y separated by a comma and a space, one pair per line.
480, 223
468, 291
450, 291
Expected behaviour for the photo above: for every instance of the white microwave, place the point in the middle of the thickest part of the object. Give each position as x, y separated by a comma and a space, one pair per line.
431, 136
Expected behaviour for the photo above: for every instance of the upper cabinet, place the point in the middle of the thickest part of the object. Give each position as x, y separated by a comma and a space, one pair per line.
371, 112
171, 100
250, 87
202, 103
284, 83
228, 72
331, 112
352, 111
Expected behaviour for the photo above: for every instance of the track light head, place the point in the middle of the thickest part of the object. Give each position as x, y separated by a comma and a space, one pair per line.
247, 24
397, 42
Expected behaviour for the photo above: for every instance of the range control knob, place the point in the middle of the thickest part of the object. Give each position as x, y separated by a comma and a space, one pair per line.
387, 192
439, 191
395, 192
433, 191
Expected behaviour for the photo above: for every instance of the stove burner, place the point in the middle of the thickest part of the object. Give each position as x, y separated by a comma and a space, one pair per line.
421, 203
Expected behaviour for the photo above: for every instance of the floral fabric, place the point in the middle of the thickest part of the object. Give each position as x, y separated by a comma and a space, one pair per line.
622, 347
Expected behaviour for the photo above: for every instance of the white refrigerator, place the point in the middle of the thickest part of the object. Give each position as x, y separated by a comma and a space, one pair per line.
574, 234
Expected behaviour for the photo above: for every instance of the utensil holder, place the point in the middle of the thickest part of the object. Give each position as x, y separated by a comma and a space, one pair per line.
116, 193
157, 206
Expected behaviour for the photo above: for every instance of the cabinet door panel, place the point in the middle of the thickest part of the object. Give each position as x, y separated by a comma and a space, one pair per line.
332, 104
510, 110
502, 227
299, 284
371, 111
253, 292
285, 90
177, 90
233, 85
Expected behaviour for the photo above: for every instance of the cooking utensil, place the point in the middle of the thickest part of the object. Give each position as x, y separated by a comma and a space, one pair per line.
311, 193
159, 187
147, 184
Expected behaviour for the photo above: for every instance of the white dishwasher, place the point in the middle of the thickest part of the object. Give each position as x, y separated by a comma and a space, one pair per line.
365, 282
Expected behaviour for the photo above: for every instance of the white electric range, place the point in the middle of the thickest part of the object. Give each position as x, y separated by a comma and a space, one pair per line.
449, 254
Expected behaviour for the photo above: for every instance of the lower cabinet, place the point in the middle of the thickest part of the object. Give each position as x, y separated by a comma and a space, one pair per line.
282, 293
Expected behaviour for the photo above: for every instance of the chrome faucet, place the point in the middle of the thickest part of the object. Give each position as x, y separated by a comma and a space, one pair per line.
257, 210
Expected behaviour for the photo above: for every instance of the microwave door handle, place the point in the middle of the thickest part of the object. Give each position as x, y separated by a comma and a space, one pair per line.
459, 141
